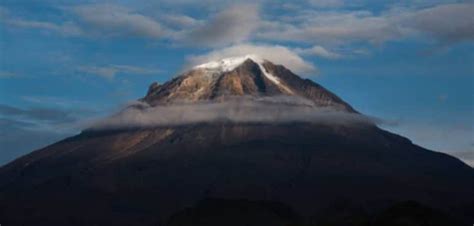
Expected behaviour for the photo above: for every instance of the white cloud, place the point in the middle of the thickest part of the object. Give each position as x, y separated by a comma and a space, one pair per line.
320, 52
111, 71
112, 20
232, 25
274, 53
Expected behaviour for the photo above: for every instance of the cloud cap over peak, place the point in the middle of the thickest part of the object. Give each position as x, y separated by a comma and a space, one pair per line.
274, 53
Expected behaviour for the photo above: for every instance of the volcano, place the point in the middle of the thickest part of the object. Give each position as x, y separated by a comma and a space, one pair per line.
238, 141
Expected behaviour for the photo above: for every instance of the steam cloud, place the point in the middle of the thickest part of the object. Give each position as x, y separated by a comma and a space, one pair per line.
281, 109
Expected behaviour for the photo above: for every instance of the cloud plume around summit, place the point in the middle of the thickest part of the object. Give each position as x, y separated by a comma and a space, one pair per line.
279, 109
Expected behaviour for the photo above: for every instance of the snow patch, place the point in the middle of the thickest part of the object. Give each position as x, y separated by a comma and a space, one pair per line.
273, 78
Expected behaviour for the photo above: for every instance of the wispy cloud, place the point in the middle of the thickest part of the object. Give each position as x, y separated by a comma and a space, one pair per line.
323, 23
8, 74
67, 28
327, 3
40, 113
111, 71
334, 27
24, 129
319, 51
114, 20
18, 138
55, 101
94, 20
449, 22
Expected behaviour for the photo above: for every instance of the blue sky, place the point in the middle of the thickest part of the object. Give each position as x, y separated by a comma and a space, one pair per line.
64, 63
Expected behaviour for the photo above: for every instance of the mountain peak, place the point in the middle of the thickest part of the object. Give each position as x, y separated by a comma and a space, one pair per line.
247, 75
231, 63
228, 64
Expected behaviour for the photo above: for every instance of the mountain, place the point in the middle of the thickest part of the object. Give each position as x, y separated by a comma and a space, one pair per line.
263, 147
247, 75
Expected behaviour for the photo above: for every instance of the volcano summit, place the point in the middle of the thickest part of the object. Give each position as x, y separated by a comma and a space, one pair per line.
239, 141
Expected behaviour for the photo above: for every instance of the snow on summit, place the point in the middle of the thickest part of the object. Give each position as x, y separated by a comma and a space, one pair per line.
229, 64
